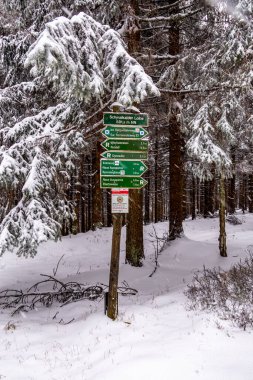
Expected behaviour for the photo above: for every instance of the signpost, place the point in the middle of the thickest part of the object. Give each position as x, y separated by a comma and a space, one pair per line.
112, 132
122, 168
128, 145
125, 119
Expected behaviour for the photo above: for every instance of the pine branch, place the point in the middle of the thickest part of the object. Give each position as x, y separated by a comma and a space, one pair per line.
162, 8
172, 18
160, 56
206, 90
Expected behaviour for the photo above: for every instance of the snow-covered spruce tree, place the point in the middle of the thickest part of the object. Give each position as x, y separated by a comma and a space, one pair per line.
161, 42
84, 66
211, 79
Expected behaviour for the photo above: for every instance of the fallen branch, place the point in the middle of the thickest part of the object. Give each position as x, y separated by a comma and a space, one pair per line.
63, 293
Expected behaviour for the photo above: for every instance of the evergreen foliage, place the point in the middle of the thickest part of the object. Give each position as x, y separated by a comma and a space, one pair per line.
61, 67
79, 66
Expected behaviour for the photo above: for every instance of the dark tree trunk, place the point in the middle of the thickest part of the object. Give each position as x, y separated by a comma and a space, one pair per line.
158, 181
134, 232
109, 208
208, 199
176, 147
250, 192
97, 195
222, 217
231, 195
147, 198
242, 193
89, 185
193, 198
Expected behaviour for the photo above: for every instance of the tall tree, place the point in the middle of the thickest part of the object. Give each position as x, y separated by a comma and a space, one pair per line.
83, 65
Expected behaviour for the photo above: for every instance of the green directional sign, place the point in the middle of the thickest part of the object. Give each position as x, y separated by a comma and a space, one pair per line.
114, 155
128, 145
122, 168
122, 182
111, 118
112, 132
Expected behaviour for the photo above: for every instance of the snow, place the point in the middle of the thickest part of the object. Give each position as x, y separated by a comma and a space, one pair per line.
155, 335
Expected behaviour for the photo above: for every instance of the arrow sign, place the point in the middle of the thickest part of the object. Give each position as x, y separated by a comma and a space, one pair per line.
126, 182
111, 118
124, 133
114, 155
122, 168
129, 145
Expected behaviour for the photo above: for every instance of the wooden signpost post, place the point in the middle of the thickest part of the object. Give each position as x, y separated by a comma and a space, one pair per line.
121, 169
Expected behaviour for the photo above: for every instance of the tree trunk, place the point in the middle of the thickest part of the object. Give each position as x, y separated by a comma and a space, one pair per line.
97, 195
147, 198
134, 228
134, 231
112, 311
193, 199
176, 147
109, 208
231, 199
158, 181
250, 192
222, 217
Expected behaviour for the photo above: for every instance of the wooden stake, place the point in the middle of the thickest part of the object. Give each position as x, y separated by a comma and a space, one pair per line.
112, 310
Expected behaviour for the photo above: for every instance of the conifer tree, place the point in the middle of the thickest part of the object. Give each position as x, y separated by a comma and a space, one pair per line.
82, 66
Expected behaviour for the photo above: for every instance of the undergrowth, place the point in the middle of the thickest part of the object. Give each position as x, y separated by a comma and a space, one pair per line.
228, 293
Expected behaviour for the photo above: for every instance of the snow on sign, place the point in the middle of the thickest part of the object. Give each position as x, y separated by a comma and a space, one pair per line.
120, 201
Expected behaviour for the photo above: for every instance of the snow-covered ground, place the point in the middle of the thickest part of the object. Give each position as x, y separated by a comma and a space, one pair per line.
155, 336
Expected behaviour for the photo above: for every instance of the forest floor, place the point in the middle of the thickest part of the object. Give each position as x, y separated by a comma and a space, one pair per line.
155, 335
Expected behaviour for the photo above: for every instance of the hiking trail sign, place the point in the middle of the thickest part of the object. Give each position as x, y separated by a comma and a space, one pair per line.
122, 182
128, 119
117, 155
126, 145
112, 132
122, 168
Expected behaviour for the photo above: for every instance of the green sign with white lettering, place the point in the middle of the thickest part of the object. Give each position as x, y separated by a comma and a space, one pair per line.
129, 145
112, 132
122, 168
114, 155
111, 118
122, 182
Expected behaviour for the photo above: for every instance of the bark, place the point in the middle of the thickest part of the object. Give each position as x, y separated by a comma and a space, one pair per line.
134, 231
242, 193
231, 198
208, 200
193, 199
89, 195
158, 182
112, 311
231, 195
82, 195
147, 198
250, 192
175, 148
222, 219
97, 195
109, 208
